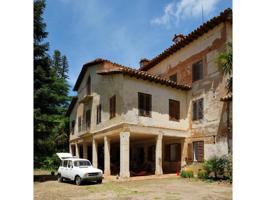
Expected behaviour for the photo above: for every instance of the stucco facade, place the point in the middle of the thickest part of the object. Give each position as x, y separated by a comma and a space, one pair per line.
129, 143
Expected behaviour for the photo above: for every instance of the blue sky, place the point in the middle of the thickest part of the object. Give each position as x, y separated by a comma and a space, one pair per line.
119, 30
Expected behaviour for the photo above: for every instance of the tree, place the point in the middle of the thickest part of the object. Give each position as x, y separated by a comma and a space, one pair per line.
225, 64
65, 67
50, 94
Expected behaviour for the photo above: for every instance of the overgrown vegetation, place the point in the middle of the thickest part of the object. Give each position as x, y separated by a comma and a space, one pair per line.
217, 168
187, 174
224, 61
50, 96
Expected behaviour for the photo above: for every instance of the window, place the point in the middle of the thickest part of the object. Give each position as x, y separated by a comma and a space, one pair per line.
89, 85
65, 163
173, 77
198, 109
197, 71
73, 126
82, 163
88, 118
174, 110
79, 124
198, 151
70, 164
144, 104
173, 152
112, 106
99, 109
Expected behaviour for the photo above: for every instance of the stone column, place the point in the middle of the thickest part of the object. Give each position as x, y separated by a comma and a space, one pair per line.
124, 154
184, 153
85, 151
158, 155
107, 171
94, 153
77, 149
70, 149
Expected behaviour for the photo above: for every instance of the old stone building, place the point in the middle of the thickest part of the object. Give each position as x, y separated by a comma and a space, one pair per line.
172, 111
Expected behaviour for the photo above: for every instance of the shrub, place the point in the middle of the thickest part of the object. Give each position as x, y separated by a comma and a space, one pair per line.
202, 174
220, 167
51, 163
186, 174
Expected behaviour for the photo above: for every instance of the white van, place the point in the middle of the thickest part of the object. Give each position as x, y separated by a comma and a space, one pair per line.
77, 169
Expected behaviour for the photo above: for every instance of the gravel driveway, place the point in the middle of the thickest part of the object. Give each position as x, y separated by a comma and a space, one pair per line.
165, 187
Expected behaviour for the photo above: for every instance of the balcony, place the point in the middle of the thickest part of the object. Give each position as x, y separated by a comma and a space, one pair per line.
86, 99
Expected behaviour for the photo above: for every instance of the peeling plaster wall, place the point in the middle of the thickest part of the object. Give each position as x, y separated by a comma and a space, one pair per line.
213, 127
160, 104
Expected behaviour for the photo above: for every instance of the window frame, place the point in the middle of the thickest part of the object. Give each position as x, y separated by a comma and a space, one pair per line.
171, 112
168, 154
147, 104
98, 114
198, 109
196, 158
112, 106
79, 124
88, 121
173, 75
88, 85
197, 73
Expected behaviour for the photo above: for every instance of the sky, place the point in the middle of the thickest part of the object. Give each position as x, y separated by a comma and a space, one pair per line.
122, 31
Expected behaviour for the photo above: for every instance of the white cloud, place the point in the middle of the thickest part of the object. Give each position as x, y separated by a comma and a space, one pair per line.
183, 9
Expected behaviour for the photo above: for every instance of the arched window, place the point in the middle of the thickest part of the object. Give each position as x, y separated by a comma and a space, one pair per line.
89, 85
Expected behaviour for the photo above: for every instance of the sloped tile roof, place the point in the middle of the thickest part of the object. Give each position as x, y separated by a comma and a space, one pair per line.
226, 15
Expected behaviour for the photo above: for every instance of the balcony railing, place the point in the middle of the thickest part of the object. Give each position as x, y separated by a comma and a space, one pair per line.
86, 99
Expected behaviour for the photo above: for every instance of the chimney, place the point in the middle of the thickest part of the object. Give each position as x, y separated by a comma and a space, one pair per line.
178, 37
143, 62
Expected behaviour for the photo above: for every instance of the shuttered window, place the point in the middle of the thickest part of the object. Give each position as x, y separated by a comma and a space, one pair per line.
88, 118
99, 117
72, 126
145, 104
112, 106
197, 71
174, 110
173, 77
198, 151
79, 124
198, 109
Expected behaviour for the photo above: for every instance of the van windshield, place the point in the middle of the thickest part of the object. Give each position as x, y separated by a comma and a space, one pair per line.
82, 163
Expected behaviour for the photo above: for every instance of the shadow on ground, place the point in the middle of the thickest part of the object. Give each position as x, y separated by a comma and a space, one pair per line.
43, 178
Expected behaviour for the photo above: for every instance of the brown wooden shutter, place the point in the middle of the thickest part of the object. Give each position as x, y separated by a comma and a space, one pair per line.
178, 110
194, 110
200, 109
100, 113
200, 151
114, 106
148, 105
170, 109
190, 152
141, 104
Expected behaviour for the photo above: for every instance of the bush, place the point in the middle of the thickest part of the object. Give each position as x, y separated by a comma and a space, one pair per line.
186, 174
51, 163
202, 175
219, 167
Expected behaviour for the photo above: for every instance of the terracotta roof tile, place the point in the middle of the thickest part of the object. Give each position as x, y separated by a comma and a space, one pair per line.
226, 15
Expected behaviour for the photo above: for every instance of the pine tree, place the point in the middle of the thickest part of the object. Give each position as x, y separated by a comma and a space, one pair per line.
50, 94
65, 67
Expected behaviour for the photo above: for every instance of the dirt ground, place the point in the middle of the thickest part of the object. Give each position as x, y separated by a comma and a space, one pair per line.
46, 187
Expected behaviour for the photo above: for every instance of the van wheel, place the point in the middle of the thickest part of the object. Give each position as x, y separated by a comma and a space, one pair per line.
59, 178
78, 180
100, 181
